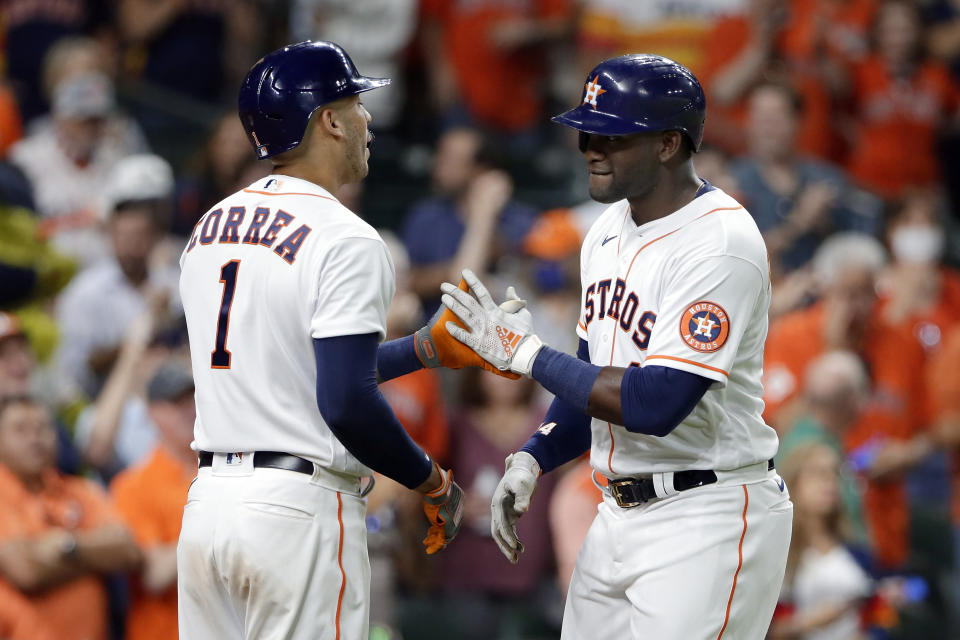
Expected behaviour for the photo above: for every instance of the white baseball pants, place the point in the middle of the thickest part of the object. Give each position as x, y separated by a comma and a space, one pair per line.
268, 554
704, 564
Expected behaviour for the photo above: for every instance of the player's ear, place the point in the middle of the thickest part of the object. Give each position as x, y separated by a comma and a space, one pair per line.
671, 145
330, 119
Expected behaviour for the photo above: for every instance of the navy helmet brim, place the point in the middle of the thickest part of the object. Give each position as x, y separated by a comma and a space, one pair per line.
589, 120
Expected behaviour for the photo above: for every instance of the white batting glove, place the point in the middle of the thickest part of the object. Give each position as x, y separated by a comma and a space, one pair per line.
499, 334
511, 500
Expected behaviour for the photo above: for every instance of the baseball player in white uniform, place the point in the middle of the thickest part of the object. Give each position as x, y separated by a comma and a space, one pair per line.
286, 293
690, 541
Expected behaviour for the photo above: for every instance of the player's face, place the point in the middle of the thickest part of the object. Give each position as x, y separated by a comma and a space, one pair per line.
357, 120
622, 166
28, 443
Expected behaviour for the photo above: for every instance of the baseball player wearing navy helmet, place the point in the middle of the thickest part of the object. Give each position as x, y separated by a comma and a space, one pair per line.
691, 538
285, 293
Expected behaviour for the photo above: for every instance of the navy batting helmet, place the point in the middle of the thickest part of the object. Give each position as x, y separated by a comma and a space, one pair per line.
284, 88
639, 92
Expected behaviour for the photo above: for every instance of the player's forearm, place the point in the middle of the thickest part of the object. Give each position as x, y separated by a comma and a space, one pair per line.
397, 358
563, 436
358, 415
649, 400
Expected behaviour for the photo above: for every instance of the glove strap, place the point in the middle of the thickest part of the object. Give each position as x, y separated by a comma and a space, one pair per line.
439, 495
525, 461
525, 354
426, 348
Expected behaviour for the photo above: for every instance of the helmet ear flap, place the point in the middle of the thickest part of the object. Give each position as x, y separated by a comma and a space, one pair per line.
583, 141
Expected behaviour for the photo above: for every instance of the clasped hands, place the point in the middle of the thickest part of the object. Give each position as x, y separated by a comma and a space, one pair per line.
502, 335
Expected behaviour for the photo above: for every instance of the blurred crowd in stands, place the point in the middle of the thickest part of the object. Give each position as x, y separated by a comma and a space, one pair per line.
835, 122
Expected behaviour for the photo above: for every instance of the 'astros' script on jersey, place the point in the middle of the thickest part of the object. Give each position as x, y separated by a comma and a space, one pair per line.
689, 291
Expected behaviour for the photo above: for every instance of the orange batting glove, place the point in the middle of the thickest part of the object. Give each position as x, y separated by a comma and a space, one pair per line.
444, 509
437, 348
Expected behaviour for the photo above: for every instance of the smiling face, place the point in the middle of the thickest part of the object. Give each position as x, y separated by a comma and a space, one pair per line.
624, 166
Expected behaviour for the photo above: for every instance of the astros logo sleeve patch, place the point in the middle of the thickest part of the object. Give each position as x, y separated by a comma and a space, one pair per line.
704, 326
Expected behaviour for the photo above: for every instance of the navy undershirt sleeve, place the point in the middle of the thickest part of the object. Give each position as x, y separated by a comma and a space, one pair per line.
357, 413
565, 432
654, 400
397, 358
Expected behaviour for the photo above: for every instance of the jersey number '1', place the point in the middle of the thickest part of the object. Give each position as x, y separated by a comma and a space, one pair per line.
220, 358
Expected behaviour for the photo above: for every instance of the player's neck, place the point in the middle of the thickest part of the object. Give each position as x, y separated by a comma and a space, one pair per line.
323, 176
674, 191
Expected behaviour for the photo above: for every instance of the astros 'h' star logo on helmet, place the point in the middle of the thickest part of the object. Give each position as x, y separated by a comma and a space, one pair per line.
593, 90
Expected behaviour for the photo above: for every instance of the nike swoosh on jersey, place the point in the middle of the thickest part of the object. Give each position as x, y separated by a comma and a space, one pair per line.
606, 240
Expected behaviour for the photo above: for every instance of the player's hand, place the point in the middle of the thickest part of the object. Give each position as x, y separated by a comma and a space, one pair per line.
511, 500
499, 335
437, 348
444, 510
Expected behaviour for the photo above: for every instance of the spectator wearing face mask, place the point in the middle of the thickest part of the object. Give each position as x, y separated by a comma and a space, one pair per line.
918, 292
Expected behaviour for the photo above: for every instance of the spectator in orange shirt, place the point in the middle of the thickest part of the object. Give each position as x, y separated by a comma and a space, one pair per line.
745, 50
150, 497
888, 438
902, 101
489, 54
918, 292
58, 534
824, 32
18, 620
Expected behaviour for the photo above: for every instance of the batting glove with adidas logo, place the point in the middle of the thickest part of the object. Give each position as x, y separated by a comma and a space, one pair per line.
501, 335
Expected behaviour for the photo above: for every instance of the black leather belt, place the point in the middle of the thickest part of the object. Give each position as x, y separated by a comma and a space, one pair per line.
632, 492
268, 460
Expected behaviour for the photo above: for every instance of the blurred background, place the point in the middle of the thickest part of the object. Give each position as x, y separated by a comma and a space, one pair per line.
834, 121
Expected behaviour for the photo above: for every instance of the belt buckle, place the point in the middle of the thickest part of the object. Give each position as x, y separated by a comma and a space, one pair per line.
616, 490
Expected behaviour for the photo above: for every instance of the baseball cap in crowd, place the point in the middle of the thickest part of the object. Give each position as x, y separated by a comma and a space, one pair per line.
9, 326
87, 95
172, 381
138, 178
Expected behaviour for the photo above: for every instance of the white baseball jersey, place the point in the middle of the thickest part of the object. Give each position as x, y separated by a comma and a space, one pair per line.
689, 291
266, 271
